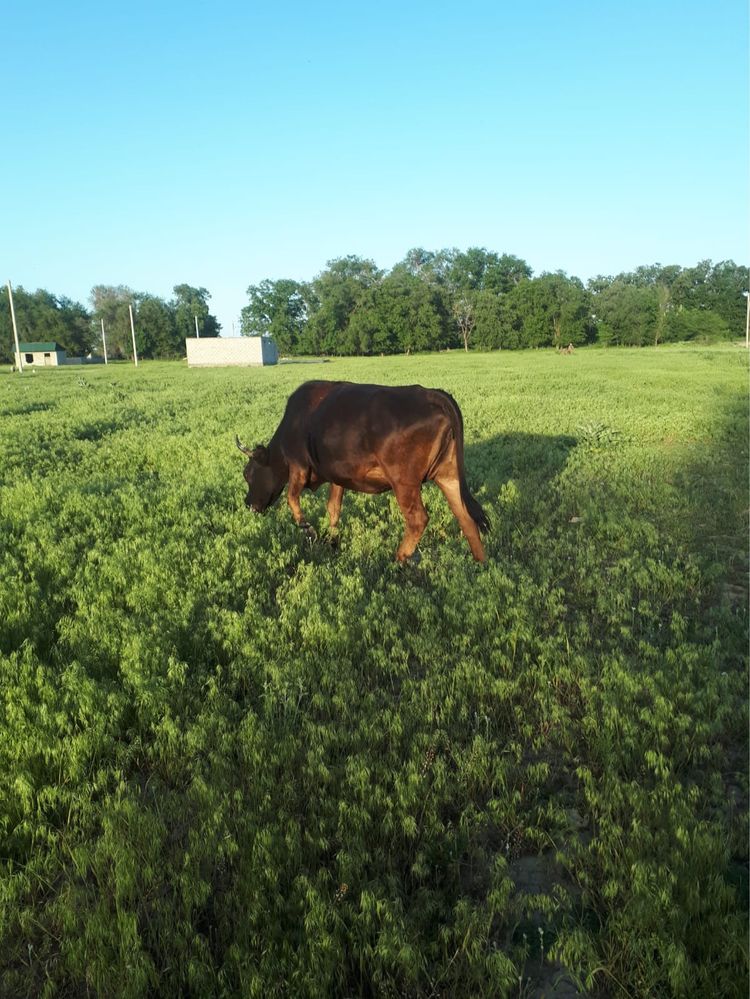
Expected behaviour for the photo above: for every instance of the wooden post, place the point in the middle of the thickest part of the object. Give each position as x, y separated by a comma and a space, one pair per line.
15, 328
132, 330
196, 327
747, 319
104, 342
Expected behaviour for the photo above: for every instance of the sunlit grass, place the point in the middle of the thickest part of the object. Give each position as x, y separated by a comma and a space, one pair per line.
208, 727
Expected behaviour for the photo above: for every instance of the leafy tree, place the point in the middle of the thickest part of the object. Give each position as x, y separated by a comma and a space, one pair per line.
697, 324
188, 304
110, 303
278, 309
42, 316
464, 315
337, 292
478, 269
498, 323
418, 262
79, 335
662, 280
728, 281
717, 287
400, 313
627, 315
551, 311
156, 329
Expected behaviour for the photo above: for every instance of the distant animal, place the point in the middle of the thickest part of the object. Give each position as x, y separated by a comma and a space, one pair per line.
367, 438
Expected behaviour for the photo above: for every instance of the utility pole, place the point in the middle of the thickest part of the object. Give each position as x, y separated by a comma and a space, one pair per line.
132, 330
15, 328
747, 319
104, 341
196, 327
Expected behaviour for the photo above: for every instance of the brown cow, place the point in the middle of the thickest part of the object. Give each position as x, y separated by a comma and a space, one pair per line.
368, 438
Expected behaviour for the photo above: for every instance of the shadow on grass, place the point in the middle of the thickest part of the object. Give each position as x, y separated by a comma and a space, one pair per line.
532, 459
713, 488
25, 409
97, 430
304, 360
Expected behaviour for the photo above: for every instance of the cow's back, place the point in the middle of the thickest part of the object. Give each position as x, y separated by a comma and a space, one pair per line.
356, 428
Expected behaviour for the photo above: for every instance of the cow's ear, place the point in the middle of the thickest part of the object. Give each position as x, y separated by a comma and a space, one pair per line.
260, 454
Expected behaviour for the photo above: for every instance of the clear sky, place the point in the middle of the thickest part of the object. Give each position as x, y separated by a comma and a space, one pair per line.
221, 143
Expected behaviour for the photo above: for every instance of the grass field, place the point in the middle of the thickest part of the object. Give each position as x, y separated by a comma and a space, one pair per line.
236, 764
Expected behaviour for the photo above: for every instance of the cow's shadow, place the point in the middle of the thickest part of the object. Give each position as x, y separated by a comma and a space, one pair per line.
531, 460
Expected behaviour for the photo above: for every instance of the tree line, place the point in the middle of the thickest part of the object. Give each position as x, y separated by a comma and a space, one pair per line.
477, 298
160, 325
450, 298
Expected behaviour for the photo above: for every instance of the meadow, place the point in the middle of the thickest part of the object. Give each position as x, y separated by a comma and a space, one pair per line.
235, 763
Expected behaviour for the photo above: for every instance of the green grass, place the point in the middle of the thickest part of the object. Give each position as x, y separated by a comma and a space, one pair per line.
232, 763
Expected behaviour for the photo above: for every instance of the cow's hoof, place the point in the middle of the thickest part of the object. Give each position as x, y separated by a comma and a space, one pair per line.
414, 559
333, 541
310, 533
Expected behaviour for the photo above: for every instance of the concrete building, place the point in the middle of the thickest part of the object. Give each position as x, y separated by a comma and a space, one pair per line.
220, 351
49, 355
40, 355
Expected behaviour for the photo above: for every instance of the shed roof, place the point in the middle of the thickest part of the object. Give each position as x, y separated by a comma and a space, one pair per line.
34, 347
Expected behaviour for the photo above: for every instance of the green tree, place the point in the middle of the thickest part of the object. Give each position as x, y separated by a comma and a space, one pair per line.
552, 310
79, 335
156, 329
497, 323
727, 282
663, 280
42, 316
464, 315
278, 309
626, 314
697, 324
189, 303
478, 269
110, 303
433, 267
717, 287
336, 293
402, 313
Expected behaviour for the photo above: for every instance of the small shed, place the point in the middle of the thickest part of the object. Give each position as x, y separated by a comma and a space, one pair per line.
40, 355
220, 351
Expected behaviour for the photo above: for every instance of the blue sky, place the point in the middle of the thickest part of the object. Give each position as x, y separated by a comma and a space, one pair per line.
217, 144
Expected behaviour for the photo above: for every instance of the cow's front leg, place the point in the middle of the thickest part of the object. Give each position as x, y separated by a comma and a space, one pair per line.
335, 497
409, 499
297, 480
333, 506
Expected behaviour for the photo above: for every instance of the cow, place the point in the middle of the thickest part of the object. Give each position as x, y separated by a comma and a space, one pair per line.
367, 438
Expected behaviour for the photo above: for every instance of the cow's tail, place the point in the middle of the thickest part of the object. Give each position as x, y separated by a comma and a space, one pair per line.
474, 508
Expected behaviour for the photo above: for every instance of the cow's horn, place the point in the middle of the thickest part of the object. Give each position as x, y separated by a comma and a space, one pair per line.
241, 446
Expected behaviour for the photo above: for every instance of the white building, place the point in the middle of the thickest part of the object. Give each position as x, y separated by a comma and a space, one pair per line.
48, 355
39, 355
219, 351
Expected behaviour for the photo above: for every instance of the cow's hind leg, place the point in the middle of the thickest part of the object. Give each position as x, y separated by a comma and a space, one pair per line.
409, 499
450, 487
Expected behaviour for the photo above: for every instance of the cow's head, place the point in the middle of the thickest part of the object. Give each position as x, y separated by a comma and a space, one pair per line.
263, 485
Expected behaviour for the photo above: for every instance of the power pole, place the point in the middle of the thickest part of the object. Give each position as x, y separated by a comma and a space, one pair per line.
15, 328
747, 319
196, 327
104, 341
132, 330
